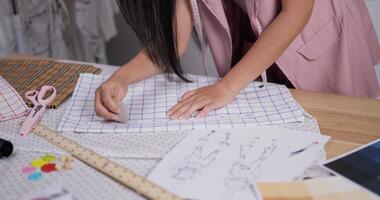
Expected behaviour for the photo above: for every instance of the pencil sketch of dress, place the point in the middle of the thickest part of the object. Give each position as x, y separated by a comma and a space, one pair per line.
246, 169
202, 156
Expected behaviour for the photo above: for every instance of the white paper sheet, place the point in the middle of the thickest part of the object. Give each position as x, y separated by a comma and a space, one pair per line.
225, 164
149, 101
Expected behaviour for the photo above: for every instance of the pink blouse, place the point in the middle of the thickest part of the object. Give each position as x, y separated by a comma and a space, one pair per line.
336, 52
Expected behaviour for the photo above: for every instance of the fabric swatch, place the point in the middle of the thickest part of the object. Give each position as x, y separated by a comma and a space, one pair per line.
28, 74
11, 104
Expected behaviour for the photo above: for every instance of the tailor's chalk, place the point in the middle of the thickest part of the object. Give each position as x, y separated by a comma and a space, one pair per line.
28, 170
38, 162
6, 148
49, 157
35, 176
123, 114
49, 167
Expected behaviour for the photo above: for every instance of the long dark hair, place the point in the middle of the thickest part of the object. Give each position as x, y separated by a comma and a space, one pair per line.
154, 23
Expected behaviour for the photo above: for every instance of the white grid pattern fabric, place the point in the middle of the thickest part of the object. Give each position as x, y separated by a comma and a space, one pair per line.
148, 102
11, 104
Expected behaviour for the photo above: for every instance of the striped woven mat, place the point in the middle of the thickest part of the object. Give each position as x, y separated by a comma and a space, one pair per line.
29, 74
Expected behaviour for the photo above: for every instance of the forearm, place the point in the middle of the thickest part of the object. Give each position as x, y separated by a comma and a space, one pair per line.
270, 45
137, 69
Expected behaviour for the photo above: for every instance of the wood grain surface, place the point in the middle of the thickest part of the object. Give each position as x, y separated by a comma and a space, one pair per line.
351, 121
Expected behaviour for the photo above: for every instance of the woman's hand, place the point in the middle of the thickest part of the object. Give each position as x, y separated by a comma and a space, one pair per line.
108, 97
203, 99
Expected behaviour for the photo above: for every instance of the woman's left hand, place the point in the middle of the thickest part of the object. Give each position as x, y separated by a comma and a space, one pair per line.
203, 99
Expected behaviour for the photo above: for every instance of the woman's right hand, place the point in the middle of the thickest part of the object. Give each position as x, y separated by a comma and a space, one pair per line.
108, 97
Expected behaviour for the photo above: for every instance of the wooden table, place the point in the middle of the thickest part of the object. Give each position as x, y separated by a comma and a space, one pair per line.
351, 121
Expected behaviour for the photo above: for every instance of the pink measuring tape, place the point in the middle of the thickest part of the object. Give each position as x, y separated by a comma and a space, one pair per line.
199, 29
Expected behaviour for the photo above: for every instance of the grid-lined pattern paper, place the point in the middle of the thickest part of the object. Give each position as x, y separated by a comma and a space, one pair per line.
11, 104
148, 102
32, 74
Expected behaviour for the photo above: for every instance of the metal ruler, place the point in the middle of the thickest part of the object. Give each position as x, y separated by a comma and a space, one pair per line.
119, 173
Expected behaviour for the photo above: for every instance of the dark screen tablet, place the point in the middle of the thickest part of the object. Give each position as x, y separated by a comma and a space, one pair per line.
361, 166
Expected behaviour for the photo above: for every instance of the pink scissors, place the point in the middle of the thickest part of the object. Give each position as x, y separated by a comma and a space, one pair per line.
40, 102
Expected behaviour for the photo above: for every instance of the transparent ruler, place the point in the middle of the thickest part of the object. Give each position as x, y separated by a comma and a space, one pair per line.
119, 173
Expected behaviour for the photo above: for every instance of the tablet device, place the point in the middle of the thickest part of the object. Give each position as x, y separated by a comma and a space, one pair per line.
361, 166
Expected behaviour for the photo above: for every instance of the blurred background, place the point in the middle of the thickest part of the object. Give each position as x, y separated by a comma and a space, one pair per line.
90, 31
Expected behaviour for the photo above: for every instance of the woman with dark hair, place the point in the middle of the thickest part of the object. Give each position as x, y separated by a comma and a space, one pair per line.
327, 46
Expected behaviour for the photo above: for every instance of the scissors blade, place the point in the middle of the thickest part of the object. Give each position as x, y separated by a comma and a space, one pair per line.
32, 119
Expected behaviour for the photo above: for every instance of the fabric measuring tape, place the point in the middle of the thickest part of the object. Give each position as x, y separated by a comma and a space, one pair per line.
199, 30
117, 172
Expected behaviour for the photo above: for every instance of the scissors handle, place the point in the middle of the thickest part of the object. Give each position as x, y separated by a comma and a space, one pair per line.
44, 90
31, 95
